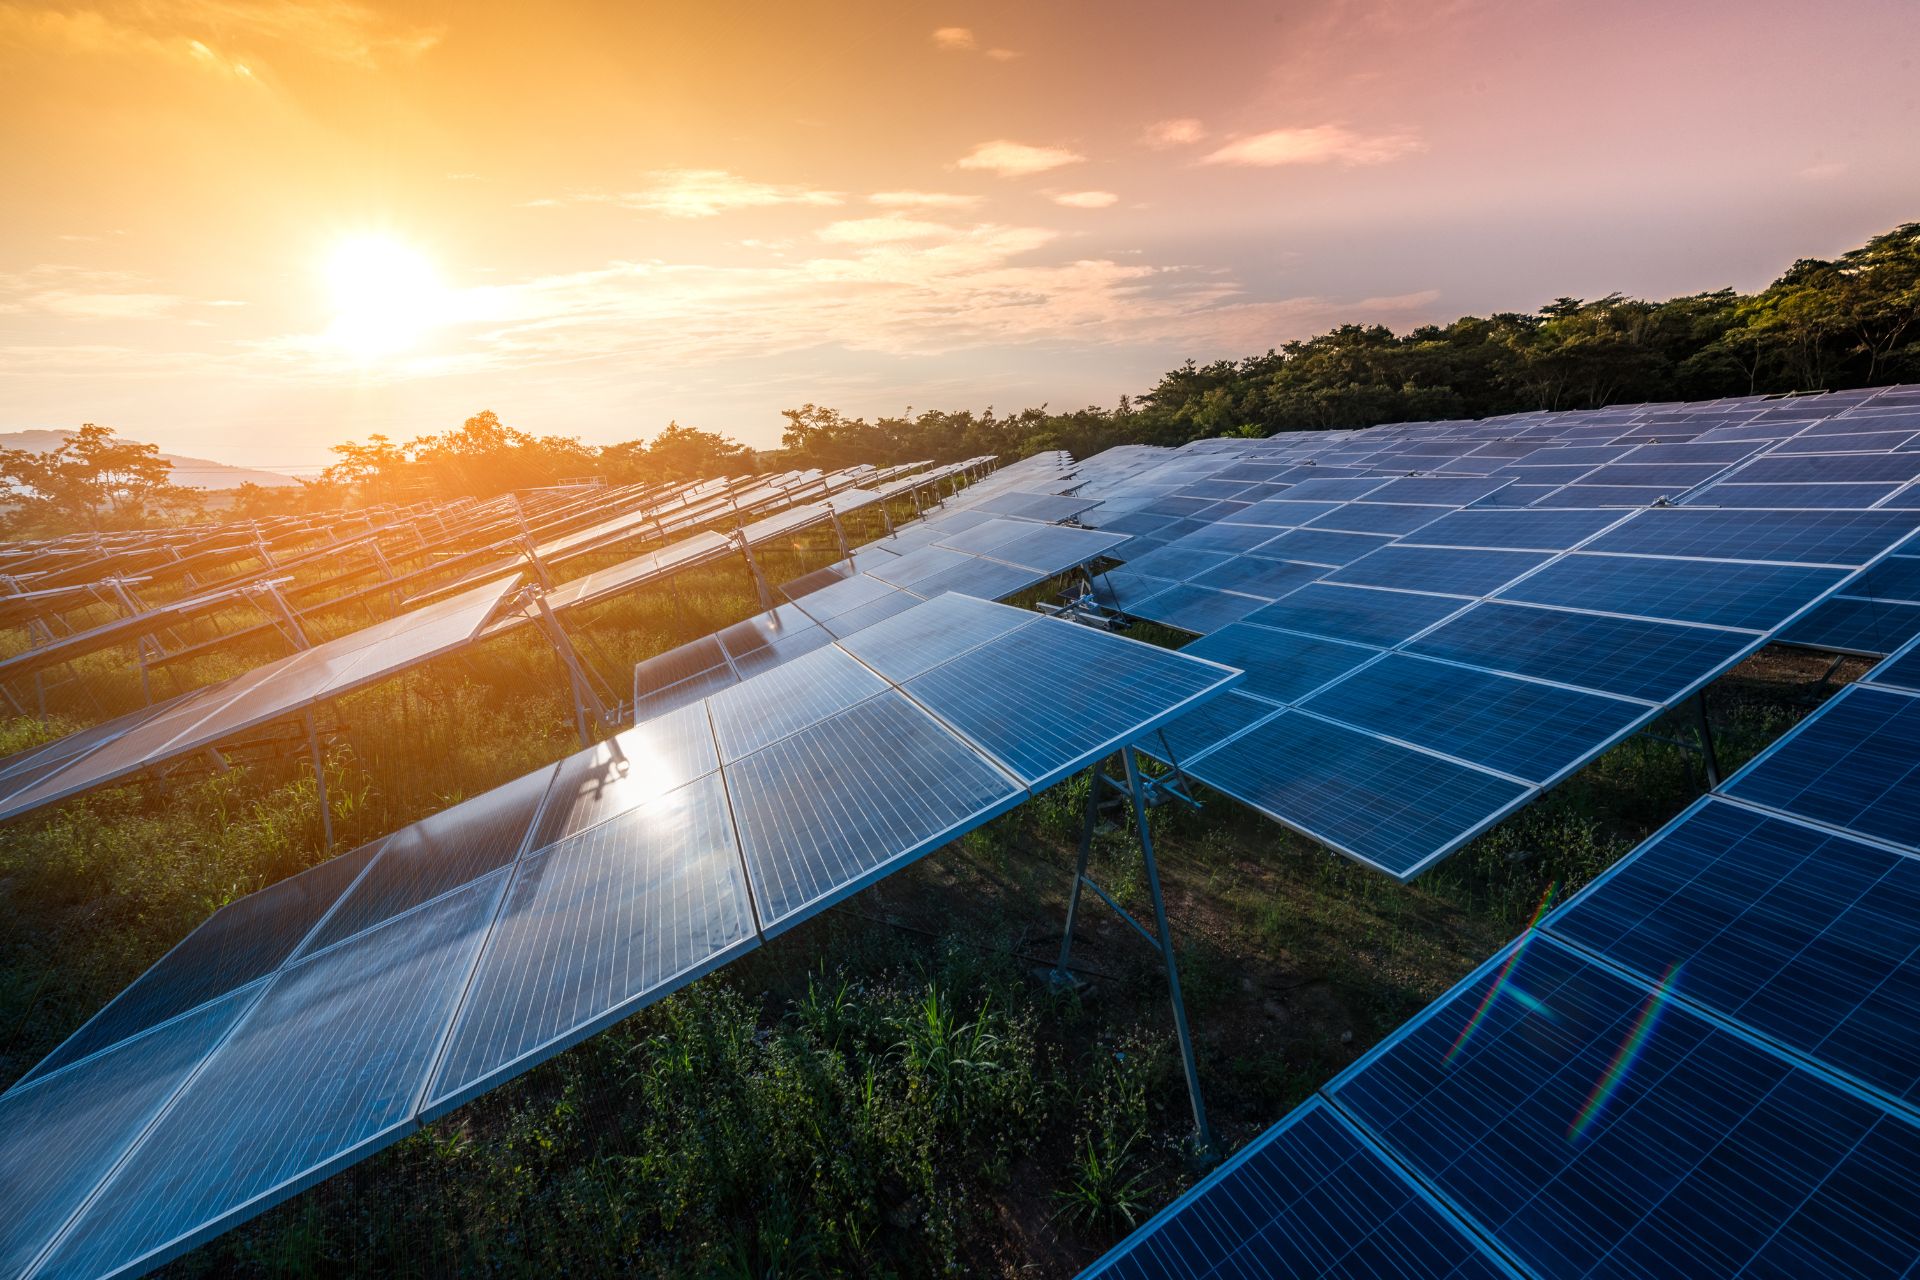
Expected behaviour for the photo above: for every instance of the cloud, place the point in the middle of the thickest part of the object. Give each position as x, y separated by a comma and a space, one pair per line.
959, 39
1003, 55
1825, 171
706, 193
1086, 199
75, 293
889, 229
207, 32
923, 199
1320, 144
1017, 159
1183, 132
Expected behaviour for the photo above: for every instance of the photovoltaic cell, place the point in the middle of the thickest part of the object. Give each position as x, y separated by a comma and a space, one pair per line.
626, 770
1322, 547
330, 1060
1591, 1127
1377, 517
1364, 615
238, 944
1190, 607
1848, 624
1389, 806
1658, 661
1281, 666
420, 862
787, 699
1808, 937
1721, 593
59, 1137
1852, 765
1438, 569
1205, 727
1516, 530
830, 809
1048, 698
1806, 537
597, 926
1254, 575
1520, 727
904, 646
1310, 1197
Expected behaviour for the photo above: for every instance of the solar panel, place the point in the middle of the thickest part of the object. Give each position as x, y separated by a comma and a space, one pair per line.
787, 699
1850, 765
1806, 537
1520, 530
1361, 614
1190, 607
1380, 803
1442, 570
1721, 593
1309, 1197
1524, 728
1590, 1125
1849, 624
1808, 937
1657, 661
914, 642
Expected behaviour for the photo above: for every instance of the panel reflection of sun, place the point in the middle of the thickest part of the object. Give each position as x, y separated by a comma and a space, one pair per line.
385, 296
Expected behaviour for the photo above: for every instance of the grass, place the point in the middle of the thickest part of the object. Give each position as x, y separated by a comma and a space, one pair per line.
886, 1090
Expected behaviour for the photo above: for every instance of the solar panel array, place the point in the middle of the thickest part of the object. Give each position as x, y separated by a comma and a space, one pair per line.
1706, 1063
306, 1026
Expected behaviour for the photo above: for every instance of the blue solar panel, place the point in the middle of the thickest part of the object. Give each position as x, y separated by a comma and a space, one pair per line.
1229, 539
1051, 697
595, 927
1727, 493
1514, 530
1190, 607
1281, 666
1658, 661
1309, 1197
1366, 615
1806, 537
1178, 562
1608, 495
1591, 1126
862, 616
810, 828
1808, 937
238, 944
1377, 517
1436, 491
1847, 624
1902, 670
987, 579
1205, 727
902, 647
422, 861
1895, 578
1852, 765
1520, 727
611, 777
1257, 576
1722, 593
1838, 468
1438, 569
1280, 513
327, 1064
1392, 807
1322, 547
60, 1136
1334, 488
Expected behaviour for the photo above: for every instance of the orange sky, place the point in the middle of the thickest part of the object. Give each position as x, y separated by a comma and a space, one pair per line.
594, 218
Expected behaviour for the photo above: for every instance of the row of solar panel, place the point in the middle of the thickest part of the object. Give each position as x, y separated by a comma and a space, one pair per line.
306, 1025
1707, 1063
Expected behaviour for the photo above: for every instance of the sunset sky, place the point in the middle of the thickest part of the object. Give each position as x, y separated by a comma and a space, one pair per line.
249, 231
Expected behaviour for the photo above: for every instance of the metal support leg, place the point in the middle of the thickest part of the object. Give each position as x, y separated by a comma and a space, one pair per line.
319, 778
840, 535
1706, 740
1062, 976
886, 518
759, 581
586, 702
1203, 1134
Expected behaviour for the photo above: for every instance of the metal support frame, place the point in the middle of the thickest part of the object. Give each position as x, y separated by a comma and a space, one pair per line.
1707, 753
538, 565
840, 535
753, 567
1160, 937
319, 776
587, 703
295, 633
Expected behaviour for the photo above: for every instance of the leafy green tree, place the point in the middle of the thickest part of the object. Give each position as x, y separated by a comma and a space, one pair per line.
93, 480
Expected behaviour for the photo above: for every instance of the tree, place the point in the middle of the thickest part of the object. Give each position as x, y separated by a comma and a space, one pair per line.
93, 480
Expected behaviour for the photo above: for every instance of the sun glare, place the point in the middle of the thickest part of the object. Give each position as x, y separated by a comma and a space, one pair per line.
386, 296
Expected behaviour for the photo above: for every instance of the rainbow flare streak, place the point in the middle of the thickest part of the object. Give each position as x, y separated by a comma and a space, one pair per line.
1500, 984
1624, 1057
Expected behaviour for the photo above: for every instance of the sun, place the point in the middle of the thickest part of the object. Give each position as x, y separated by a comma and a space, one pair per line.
386, 296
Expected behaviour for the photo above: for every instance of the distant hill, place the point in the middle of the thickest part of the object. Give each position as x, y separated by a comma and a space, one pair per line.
193, 473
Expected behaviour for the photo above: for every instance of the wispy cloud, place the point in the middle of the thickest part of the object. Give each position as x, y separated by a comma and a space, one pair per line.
1183, 132
958, 39
923, 199
225, 35
707, 193
76, 293
1017, 159
1321, 144
891, 228
1086, 199
1825, 171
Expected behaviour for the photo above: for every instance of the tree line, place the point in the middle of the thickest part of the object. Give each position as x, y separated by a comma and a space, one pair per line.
1823, 325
